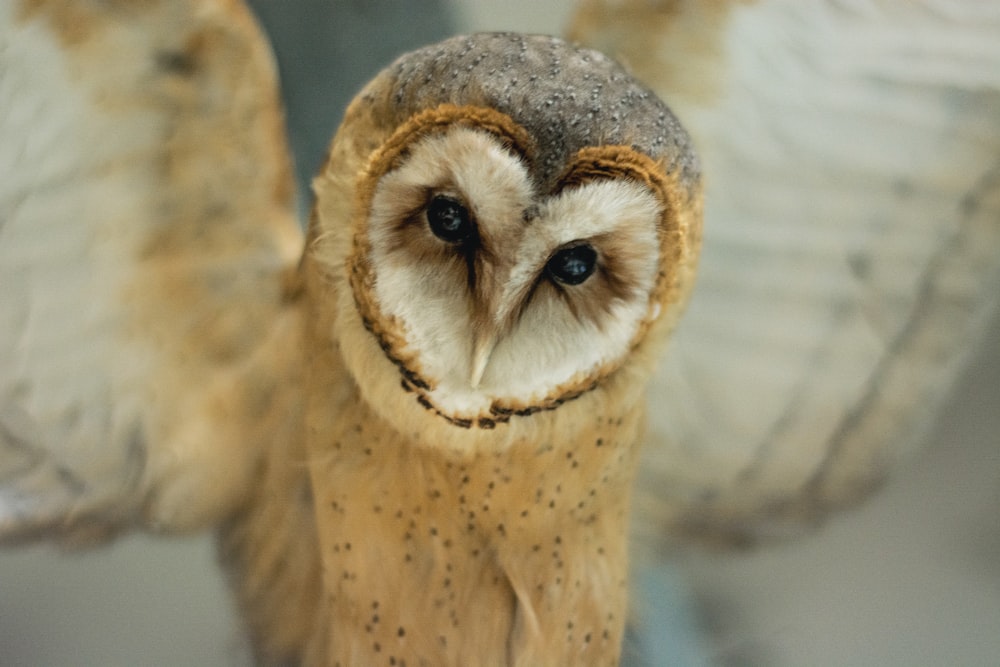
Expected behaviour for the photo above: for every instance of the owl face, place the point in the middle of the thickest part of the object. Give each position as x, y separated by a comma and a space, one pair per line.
493, 298
502, 272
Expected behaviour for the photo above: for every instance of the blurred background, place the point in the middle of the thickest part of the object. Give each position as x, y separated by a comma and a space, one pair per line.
909, 578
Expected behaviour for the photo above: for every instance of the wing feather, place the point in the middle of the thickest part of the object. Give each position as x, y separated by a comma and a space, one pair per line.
852, 243
145, 228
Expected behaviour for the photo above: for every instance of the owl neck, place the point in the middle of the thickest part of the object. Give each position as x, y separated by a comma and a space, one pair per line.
515, 556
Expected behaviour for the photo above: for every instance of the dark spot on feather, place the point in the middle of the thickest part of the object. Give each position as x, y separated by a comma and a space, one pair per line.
176, 62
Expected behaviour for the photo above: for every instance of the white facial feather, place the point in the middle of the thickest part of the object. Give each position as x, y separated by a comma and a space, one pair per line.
463, 163
550, 345
429, 291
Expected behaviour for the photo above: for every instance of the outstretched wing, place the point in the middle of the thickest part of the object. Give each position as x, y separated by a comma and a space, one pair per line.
146, 226
852, 242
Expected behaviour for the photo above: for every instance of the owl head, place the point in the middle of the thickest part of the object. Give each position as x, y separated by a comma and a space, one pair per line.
505, 223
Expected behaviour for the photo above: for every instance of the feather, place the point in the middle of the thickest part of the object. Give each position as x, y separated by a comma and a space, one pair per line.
136, 288
851, 257
852, 245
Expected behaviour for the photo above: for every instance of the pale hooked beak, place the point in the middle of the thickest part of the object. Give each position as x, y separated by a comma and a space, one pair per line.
500, 294
497, 318
482, 349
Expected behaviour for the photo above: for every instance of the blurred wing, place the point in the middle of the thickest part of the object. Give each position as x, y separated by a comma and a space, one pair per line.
145, 227
852, 242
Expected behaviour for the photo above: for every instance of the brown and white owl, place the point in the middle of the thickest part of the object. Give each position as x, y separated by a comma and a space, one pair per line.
416, 430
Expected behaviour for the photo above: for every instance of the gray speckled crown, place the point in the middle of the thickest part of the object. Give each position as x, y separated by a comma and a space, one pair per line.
567, 97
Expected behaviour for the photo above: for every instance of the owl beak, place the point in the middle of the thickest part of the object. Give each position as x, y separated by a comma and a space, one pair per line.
485, 341
482, 349
496, 312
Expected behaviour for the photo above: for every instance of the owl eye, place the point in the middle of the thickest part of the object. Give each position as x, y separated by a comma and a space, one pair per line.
449, 220
572, 265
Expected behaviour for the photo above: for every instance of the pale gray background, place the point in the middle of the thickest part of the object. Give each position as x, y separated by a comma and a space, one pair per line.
910, 579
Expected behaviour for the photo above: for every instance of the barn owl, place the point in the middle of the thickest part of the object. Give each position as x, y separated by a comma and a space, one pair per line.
414, 431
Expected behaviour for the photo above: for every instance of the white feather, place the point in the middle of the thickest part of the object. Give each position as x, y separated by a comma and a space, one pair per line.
549, 346
66, 254
117, 155
852, 250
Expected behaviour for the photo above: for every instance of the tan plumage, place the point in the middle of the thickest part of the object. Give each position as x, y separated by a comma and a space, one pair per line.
443, 476
498, 521
415, 448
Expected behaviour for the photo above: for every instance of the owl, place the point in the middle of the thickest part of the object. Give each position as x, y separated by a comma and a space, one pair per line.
417, 441
415, 428
491, 269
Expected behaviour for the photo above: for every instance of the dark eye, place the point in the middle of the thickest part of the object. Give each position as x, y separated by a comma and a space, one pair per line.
572, 265
449, 220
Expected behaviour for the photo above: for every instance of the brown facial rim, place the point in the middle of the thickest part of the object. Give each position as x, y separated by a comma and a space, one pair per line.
589, 164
